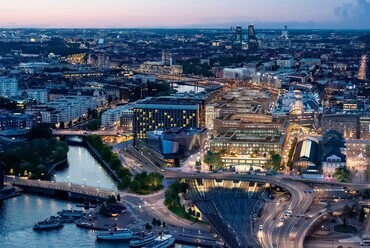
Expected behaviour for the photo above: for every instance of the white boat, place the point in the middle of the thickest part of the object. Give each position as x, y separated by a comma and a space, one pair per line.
142, 239
47, 224
122, 234
162, 241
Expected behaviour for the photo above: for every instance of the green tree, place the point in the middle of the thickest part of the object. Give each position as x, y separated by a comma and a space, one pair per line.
41, 131
154, 222
274, 162
367, 172
125, 183
214, 159
367, 150
115, 162
103, 209
342, 174
62, 125
106, 153
111, 200
148, 226
135, 186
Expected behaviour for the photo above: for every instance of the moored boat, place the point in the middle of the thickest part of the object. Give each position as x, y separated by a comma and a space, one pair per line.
47, 224
142, 239
117, 234
163, 241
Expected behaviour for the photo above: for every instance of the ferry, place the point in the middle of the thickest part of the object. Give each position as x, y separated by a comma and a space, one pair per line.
118, 234
162, 241
47, 224
142, 239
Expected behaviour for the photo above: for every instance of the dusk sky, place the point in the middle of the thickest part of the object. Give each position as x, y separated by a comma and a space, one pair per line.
185, 13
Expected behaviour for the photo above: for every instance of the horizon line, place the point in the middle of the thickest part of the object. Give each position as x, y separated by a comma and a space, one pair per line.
188, 28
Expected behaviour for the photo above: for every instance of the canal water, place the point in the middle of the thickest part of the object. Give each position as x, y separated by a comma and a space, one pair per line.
84, 169
18, 215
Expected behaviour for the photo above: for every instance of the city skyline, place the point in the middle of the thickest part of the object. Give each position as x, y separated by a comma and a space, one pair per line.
346, 14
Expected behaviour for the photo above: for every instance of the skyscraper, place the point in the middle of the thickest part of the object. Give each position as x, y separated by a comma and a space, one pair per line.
166, 57
252, 39
238, 35
284, 33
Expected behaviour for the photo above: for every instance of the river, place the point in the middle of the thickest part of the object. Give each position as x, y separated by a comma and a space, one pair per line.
84, 169
17, 215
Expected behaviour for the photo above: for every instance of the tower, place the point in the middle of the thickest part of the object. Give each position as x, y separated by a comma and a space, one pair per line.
284, 33
166, 57
252, 39
238, 35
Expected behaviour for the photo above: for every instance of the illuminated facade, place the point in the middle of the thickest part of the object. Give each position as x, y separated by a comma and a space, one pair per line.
333, 153
344, 123
365, 128
302, 108
243, 143
165, 113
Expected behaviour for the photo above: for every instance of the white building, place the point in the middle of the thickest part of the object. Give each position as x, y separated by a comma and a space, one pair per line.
72, 107
235, 73
144, 78
285, 62
8, 87
40, 95
210, 116
112, 117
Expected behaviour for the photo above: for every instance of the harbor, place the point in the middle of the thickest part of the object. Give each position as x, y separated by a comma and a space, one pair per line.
18, 215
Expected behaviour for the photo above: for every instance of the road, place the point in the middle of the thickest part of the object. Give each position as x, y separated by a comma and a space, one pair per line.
276, 232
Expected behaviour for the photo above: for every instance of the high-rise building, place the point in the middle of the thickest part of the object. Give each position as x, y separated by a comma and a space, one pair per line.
164, 113
284, 33
8, 87
167, 57
252, 39
238, 35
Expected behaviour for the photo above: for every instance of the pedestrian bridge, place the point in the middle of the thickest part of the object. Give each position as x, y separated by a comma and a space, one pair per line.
63, 190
